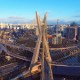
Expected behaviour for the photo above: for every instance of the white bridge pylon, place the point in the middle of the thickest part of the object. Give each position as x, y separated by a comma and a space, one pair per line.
45, 54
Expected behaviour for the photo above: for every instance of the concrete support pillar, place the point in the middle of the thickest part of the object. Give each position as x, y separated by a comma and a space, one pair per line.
75, 33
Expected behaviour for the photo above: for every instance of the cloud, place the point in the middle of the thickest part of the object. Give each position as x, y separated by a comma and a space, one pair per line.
22, 20
15, 20
15, 17
76, 16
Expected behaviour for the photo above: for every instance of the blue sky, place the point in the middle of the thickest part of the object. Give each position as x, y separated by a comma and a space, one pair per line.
25, 9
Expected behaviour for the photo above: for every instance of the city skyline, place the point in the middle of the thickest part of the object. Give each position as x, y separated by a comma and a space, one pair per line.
24, 10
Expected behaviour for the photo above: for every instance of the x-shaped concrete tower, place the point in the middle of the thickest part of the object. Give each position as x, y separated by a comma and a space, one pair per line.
45, 58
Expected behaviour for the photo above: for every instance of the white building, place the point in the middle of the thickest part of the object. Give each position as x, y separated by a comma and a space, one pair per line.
17, 26
57, 39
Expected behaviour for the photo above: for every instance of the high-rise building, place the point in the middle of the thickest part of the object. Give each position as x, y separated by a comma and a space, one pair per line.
78, 34
57, 39
71, 32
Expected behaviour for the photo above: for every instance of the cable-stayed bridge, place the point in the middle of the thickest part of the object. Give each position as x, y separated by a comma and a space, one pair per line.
42, 61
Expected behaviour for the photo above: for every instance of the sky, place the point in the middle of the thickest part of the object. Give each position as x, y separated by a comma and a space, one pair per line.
24, 10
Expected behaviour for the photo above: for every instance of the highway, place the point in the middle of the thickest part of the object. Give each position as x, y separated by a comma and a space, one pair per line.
6, 69
15, 46
32, 49
13, 54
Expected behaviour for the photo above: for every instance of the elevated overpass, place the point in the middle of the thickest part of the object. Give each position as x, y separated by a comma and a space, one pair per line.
2, 48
